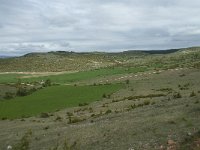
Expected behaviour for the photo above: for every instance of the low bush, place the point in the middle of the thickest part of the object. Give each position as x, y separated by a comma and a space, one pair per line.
24, 143
108, 111
192, 94
9, 95
44, 115
177, 95
83, 104
75, 120
146, 102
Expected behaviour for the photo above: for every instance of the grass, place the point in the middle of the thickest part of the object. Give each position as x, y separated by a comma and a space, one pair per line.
52, 98
73, 77
84, 75
10, 78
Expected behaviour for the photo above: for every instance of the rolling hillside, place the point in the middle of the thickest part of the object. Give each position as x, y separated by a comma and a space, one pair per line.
71, 61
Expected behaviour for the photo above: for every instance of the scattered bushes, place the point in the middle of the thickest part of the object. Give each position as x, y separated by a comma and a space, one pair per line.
145, 96
9, 95
165, 89
24, 143
22, 91
184, 87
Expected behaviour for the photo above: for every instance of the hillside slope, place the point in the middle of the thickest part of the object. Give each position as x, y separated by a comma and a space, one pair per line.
71, 61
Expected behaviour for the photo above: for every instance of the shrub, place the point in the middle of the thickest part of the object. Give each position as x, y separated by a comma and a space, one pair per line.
75, 120
146, 102
47, 83
108, 111
104, 95
22, 91
83, 104
58, 118
44, 115
171, 122
177, 95
140, 105
133, 106
90, 110
68, 146
46, 128
8, 95
108, 96
69, 114
24, 143
4, 118
127, 81
192, 94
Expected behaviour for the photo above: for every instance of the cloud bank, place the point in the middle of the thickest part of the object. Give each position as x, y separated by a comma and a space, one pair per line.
97, 25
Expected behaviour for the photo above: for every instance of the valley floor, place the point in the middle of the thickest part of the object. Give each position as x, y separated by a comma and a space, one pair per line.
157, 111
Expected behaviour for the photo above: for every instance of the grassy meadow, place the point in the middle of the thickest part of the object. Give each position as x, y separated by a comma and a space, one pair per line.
54, 98
72, 77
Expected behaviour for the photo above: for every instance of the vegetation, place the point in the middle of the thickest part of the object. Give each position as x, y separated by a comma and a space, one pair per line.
52, 98
150, 94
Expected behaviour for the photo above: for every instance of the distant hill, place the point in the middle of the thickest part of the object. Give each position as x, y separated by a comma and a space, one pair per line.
152, 51
3, 56
71, 61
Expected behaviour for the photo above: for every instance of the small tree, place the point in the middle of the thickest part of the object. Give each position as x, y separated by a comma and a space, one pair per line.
127, 81
22, 91
47, 83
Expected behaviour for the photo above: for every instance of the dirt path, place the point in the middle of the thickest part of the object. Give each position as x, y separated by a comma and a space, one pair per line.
38, 74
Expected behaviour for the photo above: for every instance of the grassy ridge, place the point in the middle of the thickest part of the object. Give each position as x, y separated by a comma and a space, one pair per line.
53, 98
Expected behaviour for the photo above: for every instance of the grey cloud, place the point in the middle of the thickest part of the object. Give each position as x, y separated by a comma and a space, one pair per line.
107, 25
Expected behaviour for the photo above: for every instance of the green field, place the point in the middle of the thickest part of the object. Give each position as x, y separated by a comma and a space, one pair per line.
73, 77
10, 78
53, 98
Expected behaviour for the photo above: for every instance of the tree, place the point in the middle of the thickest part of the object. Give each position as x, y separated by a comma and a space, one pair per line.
47, 83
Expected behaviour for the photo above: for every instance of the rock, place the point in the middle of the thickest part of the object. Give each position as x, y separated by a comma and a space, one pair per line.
9, 147
189, 133
171, 142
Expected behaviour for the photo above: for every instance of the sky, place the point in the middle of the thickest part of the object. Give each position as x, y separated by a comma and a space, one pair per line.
97, 25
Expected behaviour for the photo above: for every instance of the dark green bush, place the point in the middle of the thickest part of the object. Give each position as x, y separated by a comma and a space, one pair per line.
9, 95
44, 115
108, 111
192, 94
177, 95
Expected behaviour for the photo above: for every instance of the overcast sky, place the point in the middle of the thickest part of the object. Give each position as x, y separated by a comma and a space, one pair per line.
97, 25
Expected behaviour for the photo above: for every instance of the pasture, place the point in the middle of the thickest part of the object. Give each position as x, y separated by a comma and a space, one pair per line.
54, 98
